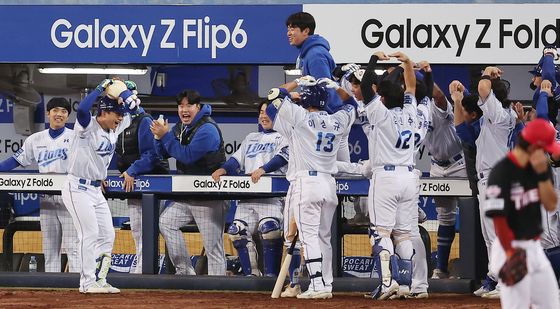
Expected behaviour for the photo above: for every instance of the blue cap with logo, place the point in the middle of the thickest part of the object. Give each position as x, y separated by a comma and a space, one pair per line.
109, 105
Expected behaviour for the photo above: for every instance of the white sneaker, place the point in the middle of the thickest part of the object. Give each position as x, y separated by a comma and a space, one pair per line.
109, 287
494, 294
312, 294
291, 291
487, 286
390, 291
439, 274
95, 288
402, 293
418, 295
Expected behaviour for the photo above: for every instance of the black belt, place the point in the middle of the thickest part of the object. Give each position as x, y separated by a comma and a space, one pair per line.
95, 183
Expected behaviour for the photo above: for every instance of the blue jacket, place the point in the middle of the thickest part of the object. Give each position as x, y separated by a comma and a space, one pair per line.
205, 140
314, 59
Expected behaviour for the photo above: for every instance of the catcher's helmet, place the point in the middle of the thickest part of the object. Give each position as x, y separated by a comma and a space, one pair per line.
315, 96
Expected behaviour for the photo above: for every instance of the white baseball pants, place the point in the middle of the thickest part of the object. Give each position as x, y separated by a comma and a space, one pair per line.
59, 234
94, 224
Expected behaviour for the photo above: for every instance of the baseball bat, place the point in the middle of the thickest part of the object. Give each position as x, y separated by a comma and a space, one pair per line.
284, 269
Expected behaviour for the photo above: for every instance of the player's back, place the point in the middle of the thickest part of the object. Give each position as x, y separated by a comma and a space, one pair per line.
315, 142
393, 133
496, 130
442, 140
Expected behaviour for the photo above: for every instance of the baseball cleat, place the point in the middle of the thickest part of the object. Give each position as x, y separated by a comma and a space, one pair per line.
418, 295
440, 274
393, 289
291, 291
312, 294
488, 285
95, 288
110, 288
494, 294
402, 293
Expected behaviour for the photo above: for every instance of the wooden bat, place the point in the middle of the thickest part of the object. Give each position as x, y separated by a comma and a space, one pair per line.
284, 269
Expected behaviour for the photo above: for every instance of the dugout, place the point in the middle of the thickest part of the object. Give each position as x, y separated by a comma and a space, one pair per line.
181, 50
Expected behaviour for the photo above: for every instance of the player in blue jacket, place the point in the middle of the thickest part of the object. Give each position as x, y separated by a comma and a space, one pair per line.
197, 144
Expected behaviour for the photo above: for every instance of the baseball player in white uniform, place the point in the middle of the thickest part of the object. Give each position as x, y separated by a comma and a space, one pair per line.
424, 90
444, 146
90, 155
496, 128
261, 152
393, 185
50, 149
314, 138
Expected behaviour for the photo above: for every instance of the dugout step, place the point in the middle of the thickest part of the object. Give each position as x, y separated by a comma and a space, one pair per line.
231, 283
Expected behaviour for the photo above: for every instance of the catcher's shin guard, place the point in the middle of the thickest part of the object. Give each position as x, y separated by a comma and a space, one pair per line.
272, 241
405, 271
245, 247
103, 266
295, 266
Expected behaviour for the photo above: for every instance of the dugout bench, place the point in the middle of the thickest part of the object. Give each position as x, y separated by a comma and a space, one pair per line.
154, 188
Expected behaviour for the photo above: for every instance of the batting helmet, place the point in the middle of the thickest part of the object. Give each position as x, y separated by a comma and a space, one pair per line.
109, 105
315, 96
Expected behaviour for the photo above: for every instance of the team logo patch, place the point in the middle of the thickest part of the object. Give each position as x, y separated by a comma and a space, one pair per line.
493, 191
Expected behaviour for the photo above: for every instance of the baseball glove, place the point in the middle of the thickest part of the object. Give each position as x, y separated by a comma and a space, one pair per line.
515, 267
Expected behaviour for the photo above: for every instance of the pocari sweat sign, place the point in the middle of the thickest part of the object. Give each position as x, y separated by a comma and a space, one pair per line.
147, 34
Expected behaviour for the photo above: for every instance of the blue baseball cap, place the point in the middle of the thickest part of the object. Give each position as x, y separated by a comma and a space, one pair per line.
536, 71
110, 105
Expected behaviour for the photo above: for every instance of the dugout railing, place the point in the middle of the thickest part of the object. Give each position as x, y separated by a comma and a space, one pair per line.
152, 189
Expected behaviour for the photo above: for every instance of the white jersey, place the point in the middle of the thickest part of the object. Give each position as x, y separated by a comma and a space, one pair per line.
313, 137
442, 140
93, 149
496, 128
259, 148
423, 119
392, 137
51, 154
362, 119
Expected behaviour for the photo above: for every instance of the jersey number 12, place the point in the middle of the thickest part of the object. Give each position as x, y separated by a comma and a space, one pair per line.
404, 139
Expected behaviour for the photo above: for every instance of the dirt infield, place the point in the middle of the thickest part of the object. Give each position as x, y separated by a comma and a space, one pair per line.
19, 298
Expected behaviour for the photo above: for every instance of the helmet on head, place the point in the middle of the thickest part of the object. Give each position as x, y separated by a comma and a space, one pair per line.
315, 96
109, 105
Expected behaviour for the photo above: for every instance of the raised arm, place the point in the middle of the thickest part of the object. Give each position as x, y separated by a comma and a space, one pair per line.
485, 83
456, 90
409, 75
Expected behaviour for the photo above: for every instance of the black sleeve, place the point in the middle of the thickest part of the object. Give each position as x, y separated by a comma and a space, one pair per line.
497, 192
369, 79
429, 82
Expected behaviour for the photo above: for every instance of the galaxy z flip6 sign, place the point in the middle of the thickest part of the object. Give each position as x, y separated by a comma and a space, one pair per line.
440, 33
146, 34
